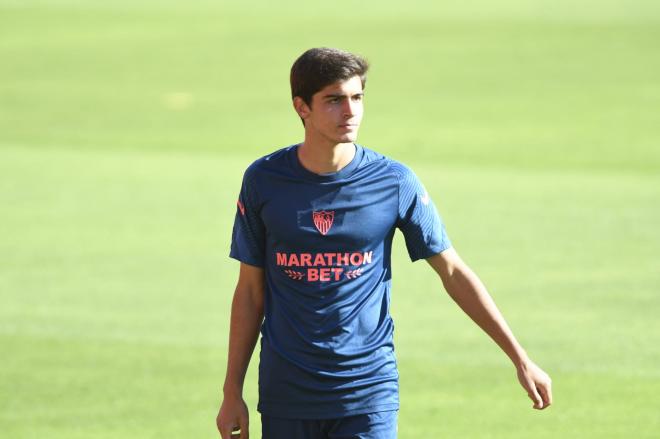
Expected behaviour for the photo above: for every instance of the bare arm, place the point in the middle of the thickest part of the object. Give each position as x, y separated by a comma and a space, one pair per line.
467, 290
247, 313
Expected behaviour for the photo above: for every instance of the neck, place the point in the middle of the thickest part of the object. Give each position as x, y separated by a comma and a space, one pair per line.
325, 158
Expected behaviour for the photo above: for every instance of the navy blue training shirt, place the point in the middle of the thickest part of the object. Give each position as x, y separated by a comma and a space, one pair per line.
324, 242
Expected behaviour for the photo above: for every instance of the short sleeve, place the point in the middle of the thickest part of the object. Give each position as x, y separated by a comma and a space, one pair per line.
248, 235
418, 218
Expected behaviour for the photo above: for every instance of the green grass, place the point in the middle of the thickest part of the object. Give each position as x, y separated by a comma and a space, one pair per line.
124, 131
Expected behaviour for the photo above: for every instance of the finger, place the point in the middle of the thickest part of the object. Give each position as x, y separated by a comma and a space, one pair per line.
546, 393
245, 429
534, 394
226, 431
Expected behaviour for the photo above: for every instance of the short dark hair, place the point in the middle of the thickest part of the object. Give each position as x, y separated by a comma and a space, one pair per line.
322, 66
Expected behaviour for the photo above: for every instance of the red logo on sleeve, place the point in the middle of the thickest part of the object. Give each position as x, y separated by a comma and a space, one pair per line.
323, 220
241, 207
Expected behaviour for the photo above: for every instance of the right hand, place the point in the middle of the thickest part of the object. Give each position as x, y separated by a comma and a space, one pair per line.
233, 415
537, 383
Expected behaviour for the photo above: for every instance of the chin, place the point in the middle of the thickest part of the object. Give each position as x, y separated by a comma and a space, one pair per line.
348, 138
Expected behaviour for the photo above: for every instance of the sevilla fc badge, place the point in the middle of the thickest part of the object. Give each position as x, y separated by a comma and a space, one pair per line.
323, 220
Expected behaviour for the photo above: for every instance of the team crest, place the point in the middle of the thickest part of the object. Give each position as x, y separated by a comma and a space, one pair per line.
323, 220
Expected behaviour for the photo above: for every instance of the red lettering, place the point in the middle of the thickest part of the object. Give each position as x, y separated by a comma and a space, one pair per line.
367, 257
293, 260
305, 260
312, 274
324, 274
356, 258
337, 272
281, 259
319, 260
324, 259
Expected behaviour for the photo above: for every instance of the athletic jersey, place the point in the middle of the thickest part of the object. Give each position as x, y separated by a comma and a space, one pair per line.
324, 242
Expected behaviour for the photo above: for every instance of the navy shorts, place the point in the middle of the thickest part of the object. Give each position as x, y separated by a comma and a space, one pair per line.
380, 425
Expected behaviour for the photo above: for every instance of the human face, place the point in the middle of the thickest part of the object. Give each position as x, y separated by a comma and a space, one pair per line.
335, 113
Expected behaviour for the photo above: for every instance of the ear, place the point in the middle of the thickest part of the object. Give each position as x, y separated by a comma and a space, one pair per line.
301, 107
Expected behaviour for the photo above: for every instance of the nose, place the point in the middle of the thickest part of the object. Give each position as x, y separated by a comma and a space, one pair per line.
350, 107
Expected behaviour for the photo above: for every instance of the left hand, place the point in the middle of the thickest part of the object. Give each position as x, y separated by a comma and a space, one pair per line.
537, 383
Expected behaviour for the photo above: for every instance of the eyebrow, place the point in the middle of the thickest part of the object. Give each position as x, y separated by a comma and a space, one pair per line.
333, 96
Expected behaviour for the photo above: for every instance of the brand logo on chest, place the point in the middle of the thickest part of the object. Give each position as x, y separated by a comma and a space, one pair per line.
323, 220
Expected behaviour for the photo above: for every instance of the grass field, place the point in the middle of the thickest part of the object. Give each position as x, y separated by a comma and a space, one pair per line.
124, 131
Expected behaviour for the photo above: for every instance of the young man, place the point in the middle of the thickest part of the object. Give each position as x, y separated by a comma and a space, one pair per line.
313, 232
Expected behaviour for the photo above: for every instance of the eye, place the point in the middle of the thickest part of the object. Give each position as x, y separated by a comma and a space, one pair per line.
358, 98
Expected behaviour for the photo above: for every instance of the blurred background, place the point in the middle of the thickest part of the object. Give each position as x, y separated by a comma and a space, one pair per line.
125, 128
